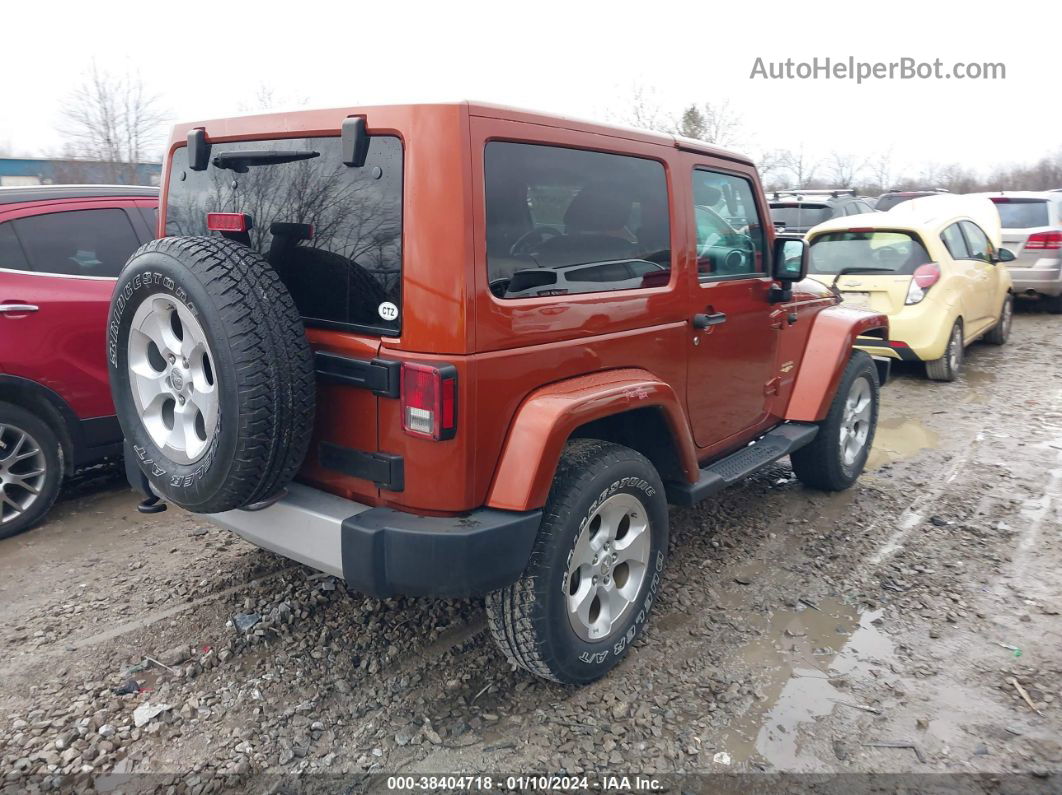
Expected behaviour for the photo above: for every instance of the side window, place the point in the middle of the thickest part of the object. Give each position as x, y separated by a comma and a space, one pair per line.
979, 245
151, 218
563, 221
955, 242
729, 230
78, 242
11, 255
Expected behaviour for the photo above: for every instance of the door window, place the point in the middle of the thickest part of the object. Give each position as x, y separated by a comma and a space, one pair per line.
77, 242
729, 229
977, 241
11, 256
563, 221
955, 242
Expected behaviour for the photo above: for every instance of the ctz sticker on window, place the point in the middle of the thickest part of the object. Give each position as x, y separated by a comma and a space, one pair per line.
388, 311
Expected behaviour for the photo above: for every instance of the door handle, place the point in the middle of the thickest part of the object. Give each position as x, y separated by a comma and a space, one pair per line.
704, 321
18, 308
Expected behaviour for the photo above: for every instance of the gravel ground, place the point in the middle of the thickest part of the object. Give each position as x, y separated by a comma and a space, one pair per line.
891, 629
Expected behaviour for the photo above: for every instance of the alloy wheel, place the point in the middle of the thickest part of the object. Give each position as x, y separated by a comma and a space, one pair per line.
855, 422
23, 471
608, 566
172, 376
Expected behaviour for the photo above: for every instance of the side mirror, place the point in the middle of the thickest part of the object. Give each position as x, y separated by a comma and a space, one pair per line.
790, 261
1004, 255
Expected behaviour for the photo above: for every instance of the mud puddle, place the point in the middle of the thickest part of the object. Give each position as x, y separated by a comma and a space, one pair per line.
900, 439
804, 656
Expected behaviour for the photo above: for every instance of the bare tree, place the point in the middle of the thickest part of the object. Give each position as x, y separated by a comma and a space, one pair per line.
642, 110
800, 165
724, 126
844, 169
267, 98
113, 120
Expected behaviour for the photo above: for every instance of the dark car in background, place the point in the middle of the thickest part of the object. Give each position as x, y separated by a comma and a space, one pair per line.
61, 248
798, 211
890, 199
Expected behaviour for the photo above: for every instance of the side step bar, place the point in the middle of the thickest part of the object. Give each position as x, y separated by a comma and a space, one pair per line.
739, 465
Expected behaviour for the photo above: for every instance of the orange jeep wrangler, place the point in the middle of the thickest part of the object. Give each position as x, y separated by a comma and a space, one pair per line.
458, 349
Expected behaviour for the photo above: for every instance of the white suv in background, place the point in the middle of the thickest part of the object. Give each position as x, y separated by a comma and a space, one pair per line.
1032, 230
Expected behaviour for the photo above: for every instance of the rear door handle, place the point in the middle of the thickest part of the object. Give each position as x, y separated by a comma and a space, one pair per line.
704, 321
18, 308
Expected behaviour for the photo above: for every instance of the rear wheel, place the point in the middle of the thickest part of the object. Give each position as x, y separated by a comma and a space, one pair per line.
948, 366
595, 568
31, 469
836, 456
1001, 331
1053, 304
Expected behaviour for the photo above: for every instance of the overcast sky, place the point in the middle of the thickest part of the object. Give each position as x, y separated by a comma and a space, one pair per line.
576, 58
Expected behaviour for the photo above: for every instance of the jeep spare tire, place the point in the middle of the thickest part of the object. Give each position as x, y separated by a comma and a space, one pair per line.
211, 372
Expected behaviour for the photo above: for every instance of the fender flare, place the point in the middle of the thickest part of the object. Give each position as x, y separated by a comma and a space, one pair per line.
830, 342
546, 419
52, 408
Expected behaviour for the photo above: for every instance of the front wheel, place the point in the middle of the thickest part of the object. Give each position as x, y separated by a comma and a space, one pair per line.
595, 569
1000, 332
836, 456
948, 366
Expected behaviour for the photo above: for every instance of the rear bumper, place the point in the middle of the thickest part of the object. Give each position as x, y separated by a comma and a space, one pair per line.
889, 349
384, 552
1044, 277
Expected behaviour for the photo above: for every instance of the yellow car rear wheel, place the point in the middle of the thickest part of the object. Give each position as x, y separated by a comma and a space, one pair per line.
948, 366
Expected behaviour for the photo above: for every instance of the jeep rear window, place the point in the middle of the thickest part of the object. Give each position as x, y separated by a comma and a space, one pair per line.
332, 232
562, 221
895, 252
1022, 213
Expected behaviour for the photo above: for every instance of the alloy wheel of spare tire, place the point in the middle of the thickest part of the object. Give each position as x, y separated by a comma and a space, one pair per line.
211, 373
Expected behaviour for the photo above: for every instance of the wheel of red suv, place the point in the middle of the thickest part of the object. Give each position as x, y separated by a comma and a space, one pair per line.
836, 456
211, 373
595, 568
948, 366
1001, 331
31, 469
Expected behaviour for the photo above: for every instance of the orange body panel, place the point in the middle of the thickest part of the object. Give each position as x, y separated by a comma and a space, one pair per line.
550, 415
530, 371
828, 348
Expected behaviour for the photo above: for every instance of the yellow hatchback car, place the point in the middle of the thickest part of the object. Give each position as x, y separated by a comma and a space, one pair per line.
932, 265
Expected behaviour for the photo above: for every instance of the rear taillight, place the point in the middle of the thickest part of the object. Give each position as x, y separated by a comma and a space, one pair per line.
1044, 241
228, 222
429, 400
925, 276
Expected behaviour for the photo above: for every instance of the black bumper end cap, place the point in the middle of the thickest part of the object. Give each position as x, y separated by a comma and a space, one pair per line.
388, 553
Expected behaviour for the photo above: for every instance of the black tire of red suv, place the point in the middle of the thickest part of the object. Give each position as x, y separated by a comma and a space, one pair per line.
16, 422
821, 464
263, 369
529, 619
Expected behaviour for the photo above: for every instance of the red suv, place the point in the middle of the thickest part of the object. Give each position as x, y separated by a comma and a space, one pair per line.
61, 247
